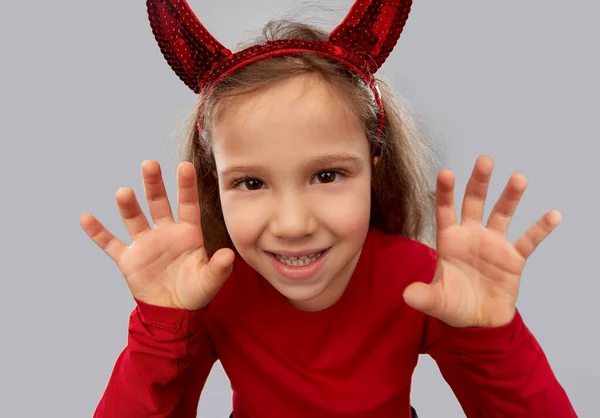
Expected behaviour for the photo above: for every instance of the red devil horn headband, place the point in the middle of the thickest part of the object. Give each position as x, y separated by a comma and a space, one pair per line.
362, 42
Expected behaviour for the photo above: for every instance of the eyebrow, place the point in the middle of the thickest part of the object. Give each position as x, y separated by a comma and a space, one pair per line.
322, 160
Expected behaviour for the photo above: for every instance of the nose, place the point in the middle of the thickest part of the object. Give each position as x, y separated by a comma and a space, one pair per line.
293, 217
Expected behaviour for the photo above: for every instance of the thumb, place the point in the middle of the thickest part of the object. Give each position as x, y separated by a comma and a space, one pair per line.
218, 269
424, 298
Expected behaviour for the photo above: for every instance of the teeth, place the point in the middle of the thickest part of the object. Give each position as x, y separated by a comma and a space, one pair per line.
303, 260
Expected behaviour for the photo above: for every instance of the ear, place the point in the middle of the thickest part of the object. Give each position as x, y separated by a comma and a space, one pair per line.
375, 164
214, 174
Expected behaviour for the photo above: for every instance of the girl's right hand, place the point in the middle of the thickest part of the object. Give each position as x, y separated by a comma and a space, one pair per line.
166, 265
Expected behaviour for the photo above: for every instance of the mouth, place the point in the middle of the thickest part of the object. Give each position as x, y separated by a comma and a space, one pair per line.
298, 266
298, 261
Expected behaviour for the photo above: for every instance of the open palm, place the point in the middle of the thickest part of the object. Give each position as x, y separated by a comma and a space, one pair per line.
478, 271
166, 265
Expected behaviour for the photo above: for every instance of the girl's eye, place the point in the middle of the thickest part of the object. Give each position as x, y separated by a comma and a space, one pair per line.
327, 176
249, 184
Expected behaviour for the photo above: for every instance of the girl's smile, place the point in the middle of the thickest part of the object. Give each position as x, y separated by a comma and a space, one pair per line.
299, 267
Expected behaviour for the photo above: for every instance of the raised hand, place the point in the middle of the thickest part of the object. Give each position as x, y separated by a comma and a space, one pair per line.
476, 281
165, 265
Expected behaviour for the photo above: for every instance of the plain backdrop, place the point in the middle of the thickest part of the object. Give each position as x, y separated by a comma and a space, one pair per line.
86, 96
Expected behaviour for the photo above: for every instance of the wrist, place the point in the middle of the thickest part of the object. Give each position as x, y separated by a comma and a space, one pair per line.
486, 338
170, 318
497, 318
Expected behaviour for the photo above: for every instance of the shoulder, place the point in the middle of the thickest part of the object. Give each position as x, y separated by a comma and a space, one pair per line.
399, 259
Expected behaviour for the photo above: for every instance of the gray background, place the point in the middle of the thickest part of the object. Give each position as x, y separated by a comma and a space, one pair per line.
85, 97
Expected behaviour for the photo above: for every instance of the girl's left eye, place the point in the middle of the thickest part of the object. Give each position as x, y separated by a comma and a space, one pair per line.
328, 176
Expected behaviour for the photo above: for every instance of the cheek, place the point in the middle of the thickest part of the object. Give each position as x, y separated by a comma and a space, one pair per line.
244, 218
346, 211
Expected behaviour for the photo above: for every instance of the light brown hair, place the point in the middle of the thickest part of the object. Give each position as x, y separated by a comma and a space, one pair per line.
402, 196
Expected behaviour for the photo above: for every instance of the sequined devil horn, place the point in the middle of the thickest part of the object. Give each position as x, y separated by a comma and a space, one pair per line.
371, 29
186, 44
362, 41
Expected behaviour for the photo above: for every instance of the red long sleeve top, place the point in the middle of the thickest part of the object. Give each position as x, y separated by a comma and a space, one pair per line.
353, 359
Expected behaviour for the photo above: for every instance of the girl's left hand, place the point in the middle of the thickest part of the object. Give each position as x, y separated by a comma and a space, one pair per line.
476, 280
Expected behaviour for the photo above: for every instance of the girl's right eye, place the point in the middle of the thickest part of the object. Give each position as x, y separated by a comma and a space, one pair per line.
248, 184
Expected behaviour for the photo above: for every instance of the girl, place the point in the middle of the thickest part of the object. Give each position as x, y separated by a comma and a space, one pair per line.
298, 257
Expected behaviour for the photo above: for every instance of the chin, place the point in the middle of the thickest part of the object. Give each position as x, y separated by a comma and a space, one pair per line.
310, 292
299, 292
309, 297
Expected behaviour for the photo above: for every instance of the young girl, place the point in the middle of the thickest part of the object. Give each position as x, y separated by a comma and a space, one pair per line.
299, 258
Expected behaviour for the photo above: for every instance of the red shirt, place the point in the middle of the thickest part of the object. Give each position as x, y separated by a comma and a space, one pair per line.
354, 359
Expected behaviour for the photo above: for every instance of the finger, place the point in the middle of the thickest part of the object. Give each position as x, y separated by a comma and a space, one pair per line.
505, 207
424, 298
476, 190
112, 246
218, 270
444, 196
188, 204
134, 219
156, 194
529, 241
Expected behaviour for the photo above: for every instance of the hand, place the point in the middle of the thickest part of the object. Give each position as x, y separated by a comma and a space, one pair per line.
166, 265
478, 271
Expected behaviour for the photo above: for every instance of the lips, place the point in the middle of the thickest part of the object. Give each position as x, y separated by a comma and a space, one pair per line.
299, 265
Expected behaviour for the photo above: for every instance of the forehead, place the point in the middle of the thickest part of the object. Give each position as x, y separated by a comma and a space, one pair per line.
303, 115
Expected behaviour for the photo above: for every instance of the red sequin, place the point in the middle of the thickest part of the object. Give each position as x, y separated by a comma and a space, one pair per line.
362, 42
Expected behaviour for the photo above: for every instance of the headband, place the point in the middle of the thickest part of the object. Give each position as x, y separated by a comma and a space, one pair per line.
361, 42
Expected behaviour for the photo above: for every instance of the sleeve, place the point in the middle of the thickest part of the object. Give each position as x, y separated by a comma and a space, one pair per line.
496, 372
164, 367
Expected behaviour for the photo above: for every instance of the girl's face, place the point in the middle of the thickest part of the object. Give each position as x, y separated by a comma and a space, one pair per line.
294, 171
